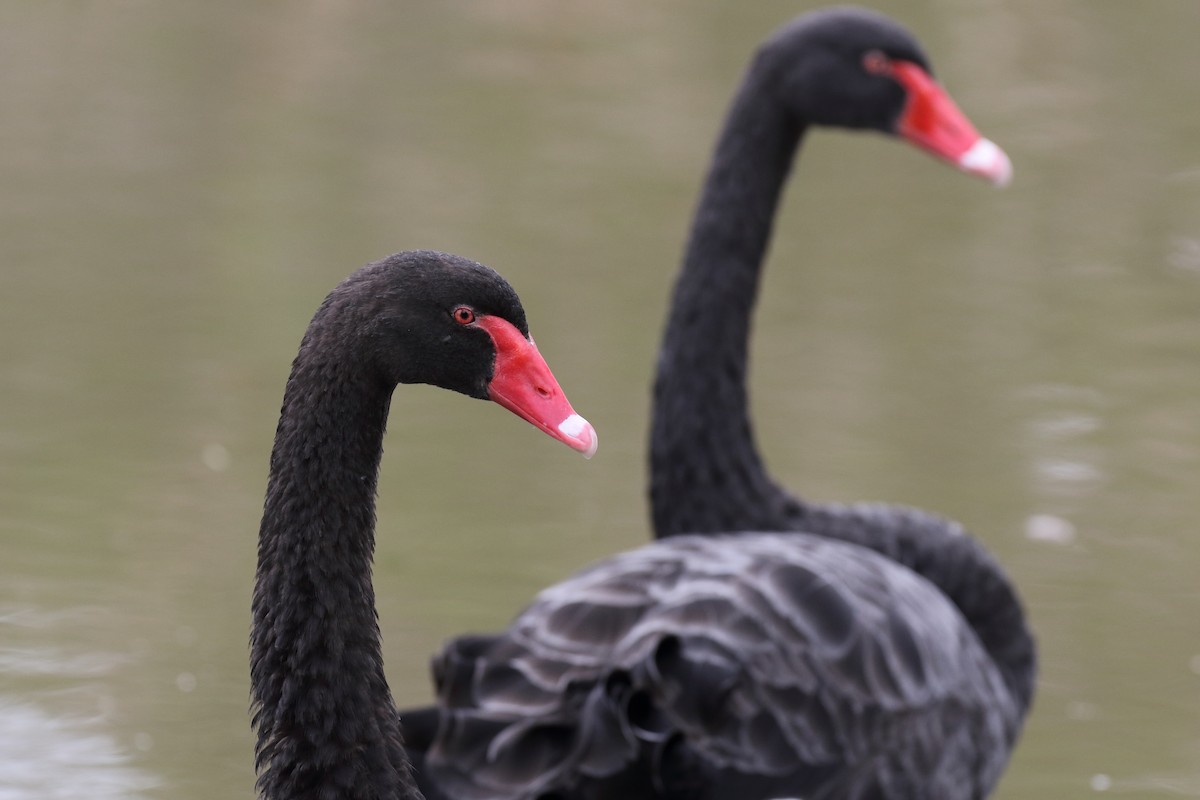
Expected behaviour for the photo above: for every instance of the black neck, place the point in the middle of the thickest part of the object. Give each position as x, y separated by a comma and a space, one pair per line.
327, 725
706, 475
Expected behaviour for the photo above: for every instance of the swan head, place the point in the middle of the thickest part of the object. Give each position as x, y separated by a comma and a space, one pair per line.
428, 317
854, 68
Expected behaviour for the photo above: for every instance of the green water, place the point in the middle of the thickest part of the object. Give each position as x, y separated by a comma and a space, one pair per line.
181, 183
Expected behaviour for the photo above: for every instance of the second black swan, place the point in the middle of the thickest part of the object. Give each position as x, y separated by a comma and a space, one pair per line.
765, 646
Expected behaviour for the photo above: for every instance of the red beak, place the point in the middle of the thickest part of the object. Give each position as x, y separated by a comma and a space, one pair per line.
522, 383
933, 122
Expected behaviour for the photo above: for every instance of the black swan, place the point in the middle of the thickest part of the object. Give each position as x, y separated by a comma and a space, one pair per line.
821, 651
327, 726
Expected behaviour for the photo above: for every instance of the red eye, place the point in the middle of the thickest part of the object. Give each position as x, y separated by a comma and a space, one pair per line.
877, 63
463, 315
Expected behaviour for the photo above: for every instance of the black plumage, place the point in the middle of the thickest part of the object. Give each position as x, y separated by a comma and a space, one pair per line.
765, 646
327, 727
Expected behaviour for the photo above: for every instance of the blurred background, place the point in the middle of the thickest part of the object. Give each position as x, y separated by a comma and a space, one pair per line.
181, 184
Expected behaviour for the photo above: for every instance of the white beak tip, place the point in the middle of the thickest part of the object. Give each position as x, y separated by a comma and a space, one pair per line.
987, 160
581, 434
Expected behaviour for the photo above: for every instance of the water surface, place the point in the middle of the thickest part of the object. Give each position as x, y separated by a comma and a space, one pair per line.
180, 184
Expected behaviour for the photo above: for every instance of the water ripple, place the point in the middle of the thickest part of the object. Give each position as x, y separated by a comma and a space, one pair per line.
48, 757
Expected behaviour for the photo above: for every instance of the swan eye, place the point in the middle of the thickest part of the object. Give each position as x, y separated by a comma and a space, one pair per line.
876, 63
463, 315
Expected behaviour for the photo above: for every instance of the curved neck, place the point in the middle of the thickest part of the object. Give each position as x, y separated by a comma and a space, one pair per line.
326, 722
945, 554
706, 475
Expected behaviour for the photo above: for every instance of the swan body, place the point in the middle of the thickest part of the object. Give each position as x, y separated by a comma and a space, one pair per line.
739, 665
